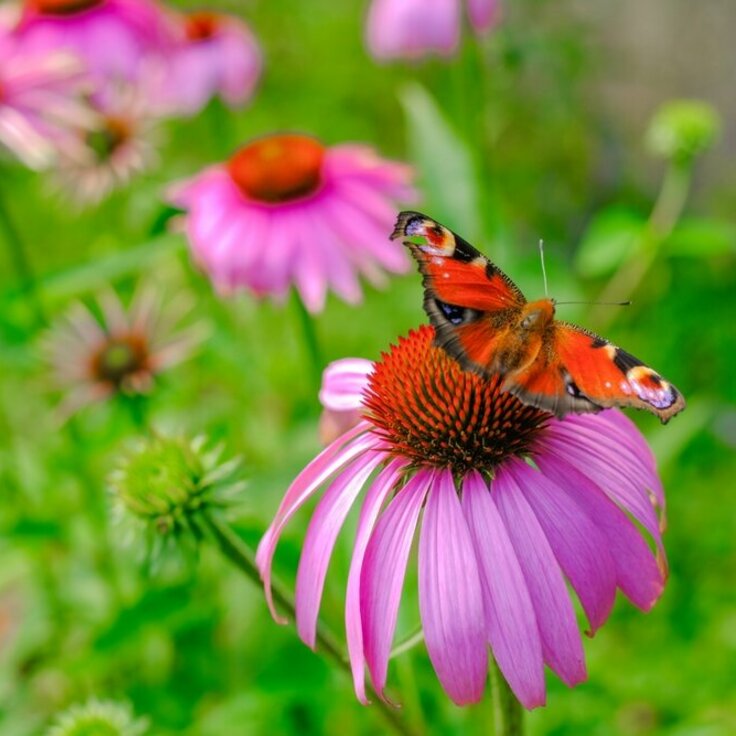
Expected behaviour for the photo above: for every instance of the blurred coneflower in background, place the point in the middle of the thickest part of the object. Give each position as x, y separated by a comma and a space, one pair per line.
286, 210
123, 351
412, 29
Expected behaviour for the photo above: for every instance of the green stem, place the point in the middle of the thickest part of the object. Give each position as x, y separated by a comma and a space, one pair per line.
508, 715
662, 221
243, 557
23, 268
309, 337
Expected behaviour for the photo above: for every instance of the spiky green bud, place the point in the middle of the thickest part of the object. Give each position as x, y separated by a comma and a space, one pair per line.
683, 129
98, 718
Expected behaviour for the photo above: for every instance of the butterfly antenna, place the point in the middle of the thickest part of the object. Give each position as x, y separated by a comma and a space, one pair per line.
604, 304
544, 270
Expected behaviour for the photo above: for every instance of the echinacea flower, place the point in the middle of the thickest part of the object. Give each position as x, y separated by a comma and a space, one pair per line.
512, 501
116, 39
117, 144
122, 352
216, 55
287, 211
40, 102
412, 29
98, 718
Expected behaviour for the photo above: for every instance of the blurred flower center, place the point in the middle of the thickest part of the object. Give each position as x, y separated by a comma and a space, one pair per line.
279, 168
61, 7
119, 358
201, 26
105, 140
428, 408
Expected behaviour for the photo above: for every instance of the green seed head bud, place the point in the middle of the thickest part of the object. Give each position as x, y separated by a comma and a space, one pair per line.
681, 130
163, 485
98, 718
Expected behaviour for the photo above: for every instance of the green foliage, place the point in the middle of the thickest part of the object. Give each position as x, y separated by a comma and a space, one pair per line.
505, 141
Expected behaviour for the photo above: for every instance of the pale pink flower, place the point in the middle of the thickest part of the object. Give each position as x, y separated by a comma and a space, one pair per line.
40, 102
287, 211
121, 353
342, 384
216, 54
413, 29
512, 503
116, 39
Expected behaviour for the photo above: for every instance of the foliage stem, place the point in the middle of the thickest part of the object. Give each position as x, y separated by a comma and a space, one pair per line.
18, 255
508, 715
662, 220
309, 337
244, 558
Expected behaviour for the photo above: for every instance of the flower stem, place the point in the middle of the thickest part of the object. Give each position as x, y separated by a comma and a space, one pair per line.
508, 715
23, 268
309, 337
662, 221
244, 558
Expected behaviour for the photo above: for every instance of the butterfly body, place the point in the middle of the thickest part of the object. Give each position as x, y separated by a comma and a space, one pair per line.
484, 321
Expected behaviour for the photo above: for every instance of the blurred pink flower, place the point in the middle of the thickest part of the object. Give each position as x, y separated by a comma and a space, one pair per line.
40, 102
121, 353
412, 29
514, 501
113, 37
340, 395
216, 54
287, 211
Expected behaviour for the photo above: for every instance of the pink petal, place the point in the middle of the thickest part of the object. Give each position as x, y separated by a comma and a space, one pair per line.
483, 14
327, 520
374, 500
637, 572
343, 383
578, 544
510, 618
561, 645
337, 455
382, 576
450, 598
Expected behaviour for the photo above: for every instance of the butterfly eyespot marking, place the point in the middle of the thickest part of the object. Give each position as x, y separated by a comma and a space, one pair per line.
457, 315
651, 387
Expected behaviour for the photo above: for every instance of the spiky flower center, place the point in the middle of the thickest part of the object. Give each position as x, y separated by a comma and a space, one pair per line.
105, 140
278, 168
429, 409
62, 7
119, 358
201, 26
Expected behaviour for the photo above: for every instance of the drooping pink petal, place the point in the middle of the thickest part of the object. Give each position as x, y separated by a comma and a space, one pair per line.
510, 619
337, 455
561, 644
379, 490
327, 520
450, 598
637, 572
578, 544
382, 575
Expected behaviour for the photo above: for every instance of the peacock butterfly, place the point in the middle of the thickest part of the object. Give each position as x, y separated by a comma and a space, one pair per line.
483, 320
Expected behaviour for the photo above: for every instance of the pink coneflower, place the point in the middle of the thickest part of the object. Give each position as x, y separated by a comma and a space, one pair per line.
412, 29
216, 55
113, 37
40, 101
122, 352
118, 143
514, 501
286, 210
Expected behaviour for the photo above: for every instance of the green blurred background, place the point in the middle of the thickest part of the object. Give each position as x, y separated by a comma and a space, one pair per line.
544, 125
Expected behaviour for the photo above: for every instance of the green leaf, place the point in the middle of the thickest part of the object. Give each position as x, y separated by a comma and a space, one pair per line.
612, 236
447, 172
701, 237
